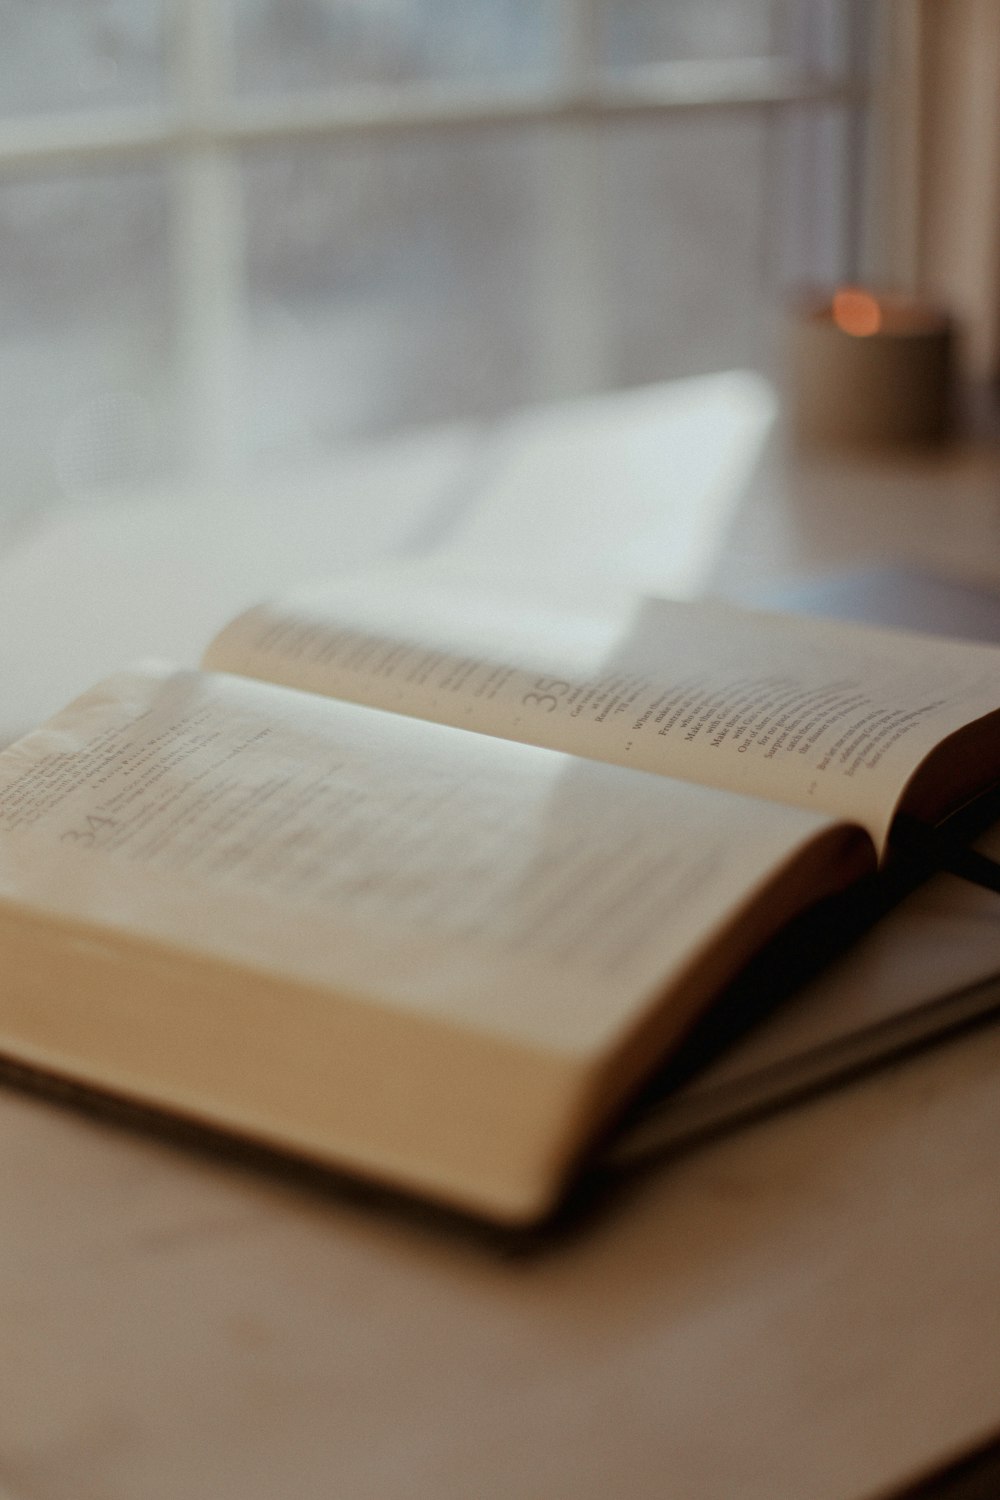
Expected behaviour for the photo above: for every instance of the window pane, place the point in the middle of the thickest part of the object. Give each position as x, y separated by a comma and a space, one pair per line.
634, 32
79, 54
390, 285
684, 214
84, 334
292, 44
393, 285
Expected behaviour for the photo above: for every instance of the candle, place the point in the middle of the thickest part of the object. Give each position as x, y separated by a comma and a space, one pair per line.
870, 367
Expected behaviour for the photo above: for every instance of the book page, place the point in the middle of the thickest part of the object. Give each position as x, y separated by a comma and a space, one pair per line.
507, 888
812, 713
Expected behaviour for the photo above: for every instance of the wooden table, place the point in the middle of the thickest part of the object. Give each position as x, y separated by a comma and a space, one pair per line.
808, 1309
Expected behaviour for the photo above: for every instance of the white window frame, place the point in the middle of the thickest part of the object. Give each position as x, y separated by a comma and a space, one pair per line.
203, 124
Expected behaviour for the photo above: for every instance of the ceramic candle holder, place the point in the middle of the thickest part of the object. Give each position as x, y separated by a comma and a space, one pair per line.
867, 367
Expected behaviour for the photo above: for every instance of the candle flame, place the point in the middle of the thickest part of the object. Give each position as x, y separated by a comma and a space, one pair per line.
856, 312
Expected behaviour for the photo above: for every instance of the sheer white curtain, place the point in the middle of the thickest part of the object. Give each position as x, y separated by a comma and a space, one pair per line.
943, 186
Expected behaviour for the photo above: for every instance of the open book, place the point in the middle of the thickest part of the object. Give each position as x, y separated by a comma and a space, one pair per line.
389, 884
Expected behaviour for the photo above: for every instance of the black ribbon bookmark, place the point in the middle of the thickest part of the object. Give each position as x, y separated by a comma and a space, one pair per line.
939, 847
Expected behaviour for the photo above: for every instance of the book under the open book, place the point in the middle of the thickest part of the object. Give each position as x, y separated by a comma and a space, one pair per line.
416, 884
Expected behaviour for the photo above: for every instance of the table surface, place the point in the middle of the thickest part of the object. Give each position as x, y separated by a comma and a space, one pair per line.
806, 1309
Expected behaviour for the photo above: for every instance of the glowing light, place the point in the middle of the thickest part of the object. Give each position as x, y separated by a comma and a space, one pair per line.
856, 312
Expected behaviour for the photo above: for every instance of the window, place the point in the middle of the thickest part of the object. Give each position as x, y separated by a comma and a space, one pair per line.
236, 231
